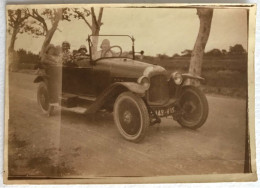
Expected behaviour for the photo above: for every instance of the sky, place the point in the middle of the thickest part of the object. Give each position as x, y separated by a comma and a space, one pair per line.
157, 31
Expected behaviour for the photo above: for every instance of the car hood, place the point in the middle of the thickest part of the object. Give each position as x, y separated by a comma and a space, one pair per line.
122, 67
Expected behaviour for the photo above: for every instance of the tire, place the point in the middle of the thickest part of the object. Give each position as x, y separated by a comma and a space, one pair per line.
43, 99
194, 108
131, 116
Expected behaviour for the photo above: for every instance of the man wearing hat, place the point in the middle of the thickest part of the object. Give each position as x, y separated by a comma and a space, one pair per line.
66, 55
82, 53
82, 58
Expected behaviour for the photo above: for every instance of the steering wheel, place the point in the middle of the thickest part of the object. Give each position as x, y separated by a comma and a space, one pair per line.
109, 49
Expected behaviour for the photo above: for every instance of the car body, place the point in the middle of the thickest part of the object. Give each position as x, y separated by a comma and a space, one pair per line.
137, 93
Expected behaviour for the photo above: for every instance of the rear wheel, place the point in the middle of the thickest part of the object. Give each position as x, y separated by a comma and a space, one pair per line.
131, 116
43, 99
194, 108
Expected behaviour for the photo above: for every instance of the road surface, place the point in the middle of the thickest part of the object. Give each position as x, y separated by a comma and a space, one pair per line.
69, 144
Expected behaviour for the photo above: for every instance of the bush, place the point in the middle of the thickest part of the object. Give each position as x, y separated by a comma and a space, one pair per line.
22, 59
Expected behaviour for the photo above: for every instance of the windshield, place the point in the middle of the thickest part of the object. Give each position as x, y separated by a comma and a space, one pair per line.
111, 46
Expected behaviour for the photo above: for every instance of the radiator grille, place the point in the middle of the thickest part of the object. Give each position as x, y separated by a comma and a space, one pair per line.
159, 90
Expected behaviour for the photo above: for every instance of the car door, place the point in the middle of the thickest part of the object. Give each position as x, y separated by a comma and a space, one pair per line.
78, 80
101, 77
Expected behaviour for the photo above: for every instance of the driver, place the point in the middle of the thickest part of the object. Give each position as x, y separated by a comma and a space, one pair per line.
105, 52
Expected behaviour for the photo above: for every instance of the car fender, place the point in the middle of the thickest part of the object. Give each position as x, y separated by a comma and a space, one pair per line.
113, 91
191, 76
134, 87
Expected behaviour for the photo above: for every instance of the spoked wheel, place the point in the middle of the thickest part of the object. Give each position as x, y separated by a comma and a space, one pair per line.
194, 108
131, 116
43, 99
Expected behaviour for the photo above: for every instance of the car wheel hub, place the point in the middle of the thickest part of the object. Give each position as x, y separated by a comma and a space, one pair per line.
189, 107
127, 117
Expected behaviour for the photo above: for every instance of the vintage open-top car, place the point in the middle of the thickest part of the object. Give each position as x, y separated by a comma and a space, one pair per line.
137, 93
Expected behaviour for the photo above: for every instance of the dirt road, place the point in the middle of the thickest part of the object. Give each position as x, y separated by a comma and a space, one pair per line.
70, 144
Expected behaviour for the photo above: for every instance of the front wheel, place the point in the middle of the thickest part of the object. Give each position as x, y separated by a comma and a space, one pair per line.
131, 116
43, 99
193, 108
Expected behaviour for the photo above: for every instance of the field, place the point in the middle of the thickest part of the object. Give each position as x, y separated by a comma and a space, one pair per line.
225, 75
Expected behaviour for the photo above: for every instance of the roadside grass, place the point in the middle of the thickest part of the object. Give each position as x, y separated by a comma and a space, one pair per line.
22, 161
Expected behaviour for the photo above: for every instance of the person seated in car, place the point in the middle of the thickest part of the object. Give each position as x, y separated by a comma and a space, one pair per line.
104, 52
74, 53
65, 53
82, 59
82, 53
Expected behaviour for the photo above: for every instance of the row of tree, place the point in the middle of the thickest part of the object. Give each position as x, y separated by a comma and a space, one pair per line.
26, 57
44, 22
235, 50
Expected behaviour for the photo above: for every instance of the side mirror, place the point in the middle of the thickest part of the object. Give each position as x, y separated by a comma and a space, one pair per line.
141, 52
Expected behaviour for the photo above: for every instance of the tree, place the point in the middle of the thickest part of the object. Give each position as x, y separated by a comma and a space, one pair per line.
175, 55
95, 24
205, 17
186, 53
27, 57
17, 22
163, 56
237, 50
41, 26
224, 52
213, 52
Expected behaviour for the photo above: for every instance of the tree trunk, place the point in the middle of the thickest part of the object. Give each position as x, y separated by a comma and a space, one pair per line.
95, 28
95, 41
205, 16
95, 31
51, 31
13, 39
12, 56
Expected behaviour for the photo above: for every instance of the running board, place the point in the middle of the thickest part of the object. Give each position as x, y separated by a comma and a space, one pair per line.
79, 110
73, 101
69, 95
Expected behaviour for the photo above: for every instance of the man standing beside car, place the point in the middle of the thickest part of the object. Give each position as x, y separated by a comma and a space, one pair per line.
51, 60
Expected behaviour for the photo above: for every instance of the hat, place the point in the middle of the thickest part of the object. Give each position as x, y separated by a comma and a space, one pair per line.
66, 42
82, 47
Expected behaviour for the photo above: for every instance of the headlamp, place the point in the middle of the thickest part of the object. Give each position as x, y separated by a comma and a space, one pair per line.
177, 77
144, 81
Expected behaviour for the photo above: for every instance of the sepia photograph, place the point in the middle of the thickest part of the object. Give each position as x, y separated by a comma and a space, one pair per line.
129, 93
